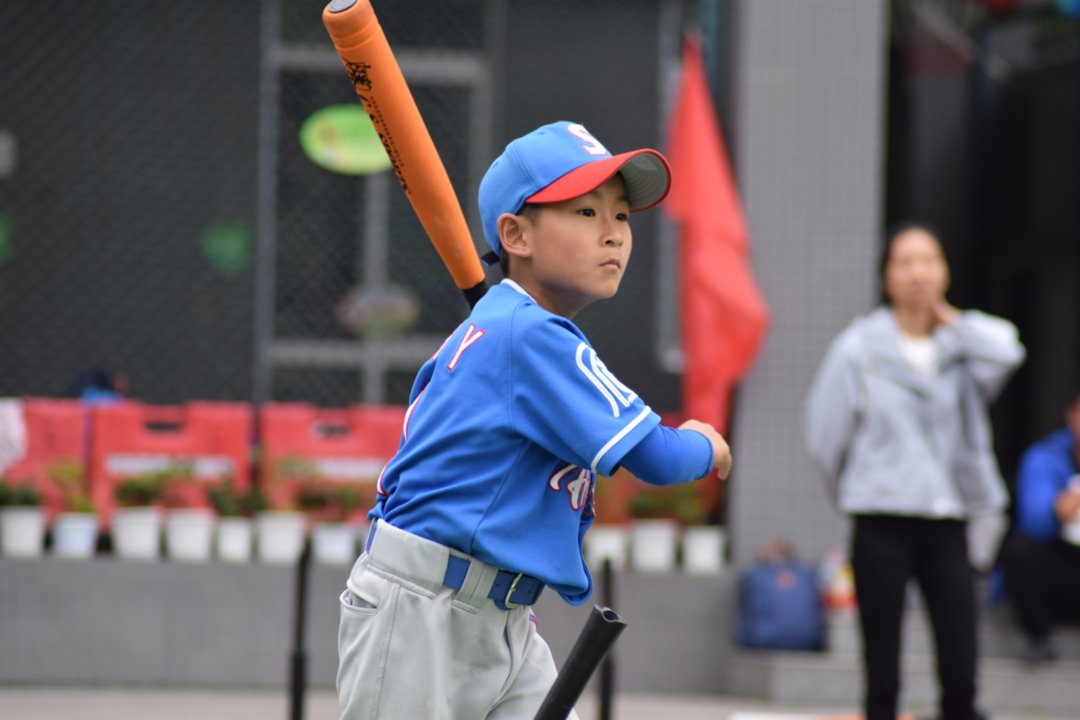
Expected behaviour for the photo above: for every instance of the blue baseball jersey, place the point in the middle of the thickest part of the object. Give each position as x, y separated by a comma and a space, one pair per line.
508, 426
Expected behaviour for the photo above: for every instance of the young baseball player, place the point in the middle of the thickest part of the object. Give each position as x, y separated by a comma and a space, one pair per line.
490, 494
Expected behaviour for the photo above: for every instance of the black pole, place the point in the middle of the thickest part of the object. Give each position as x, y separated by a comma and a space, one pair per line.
298, 684
601, 630
607, 667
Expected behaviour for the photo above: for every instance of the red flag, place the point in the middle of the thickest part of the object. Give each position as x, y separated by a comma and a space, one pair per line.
723, 315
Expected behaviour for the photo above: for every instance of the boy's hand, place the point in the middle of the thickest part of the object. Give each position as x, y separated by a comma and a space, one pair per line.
720, 449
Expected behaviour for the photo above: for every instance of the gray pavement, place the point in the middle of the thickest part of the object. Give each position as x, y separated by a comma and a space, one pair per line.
51, 703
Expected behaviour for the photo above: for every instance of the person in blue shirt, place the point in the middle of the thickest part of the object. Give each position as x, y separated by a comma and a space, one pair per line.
490, 494
1041, 557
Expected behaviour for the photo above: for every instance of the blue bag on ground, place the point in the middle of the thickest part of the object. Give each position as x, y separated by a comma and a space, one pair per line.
780, 607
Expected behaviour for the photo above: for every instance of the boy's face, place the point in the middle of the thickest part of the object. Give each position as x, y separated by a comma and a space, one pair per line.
575, 252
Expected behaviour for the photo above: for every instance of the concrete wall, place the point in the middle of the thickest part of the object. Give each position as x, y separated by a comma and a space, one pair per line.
115, 622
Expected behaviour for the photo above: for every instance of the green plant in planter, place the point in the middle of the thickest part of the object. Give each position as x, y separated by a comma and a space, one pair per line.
70, 480
687, 505
295, 485
315, 498
327, 501
228, 501
295, 468
80, 504
312, 497
179, 486
649, 503
680, 502
141, 490
21, 494
347, 498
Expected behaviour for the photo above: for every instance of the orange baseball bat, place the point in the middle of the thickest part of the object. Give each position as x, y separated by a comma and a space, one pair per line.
373, 69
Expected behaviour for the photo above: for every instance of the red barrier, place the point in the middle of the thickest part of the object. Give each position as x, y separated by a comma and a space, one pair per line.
303, 444
55, 445
130, 439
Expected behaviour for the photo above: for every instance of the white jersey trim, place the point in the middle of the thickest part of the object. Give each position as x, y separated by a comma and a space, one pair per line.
619, 436
510, 283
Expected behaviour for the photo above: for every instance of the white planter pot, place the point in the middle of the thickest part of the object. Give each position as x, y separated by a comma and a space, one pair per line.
653, 545
189, 534
22, 531
703, 549
136, 533
234, 536
75, 535
279, 536
333, 543
604, 542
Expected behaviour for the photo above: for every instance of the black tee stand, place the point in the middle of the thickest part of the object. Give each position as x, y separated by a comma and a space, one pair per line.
298, 664
607, 667
601, 630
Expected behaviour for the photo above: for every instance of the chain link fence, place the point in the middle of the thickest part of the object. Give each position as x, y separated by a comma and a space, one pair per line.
360, 298
159, 217
127, 196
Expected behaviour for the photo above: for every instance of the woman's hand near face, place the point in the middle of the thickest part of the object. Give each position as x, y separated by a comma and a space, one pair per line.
944, 313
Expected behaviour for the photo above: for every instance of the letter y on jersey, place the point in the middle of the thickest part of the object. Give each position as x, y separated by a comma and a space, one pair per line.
472, 334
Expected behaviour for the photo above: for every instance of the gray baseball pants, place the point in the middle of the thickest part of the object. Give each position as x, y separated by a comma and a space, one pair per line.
410, 648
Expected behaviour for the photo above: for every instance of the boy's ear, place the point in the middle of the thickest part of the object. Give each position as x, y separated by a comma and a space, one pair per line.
513, 234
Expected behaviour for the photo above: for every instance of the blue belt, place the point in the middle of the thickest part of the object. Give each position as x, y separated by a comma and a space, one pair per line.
509, 591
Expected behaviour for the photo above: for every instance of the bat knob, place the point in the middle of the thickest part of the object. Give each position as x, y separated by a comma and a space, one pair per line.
337, 6
350, 22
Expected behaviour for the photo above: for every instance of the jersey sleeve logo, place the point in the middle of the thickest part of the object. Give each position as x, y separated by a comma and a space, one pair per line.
616, 394
578, 484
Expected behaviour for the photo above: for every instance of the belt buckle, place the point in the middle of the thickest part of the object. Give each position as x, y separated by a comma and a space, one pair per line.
513, 586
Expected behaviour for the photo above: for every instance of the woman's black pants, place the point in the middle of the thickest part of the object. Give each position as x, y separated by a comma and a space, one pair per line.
887, 551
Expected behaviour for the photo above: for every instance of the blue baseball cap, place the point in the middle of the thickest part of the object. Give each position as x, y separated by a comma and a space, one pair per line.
562, 161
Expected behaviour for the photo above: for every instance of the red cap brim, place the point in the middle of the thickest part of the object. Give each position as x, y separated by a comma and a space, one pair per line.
645, 173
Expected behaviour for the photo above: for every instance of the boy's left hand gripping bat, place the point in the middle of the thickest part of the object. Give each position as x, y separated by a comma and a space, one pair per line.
373, 69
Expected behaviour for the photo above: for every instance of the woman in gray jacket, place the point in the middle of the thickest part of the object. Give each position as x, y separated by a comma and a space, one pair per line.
897, 423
